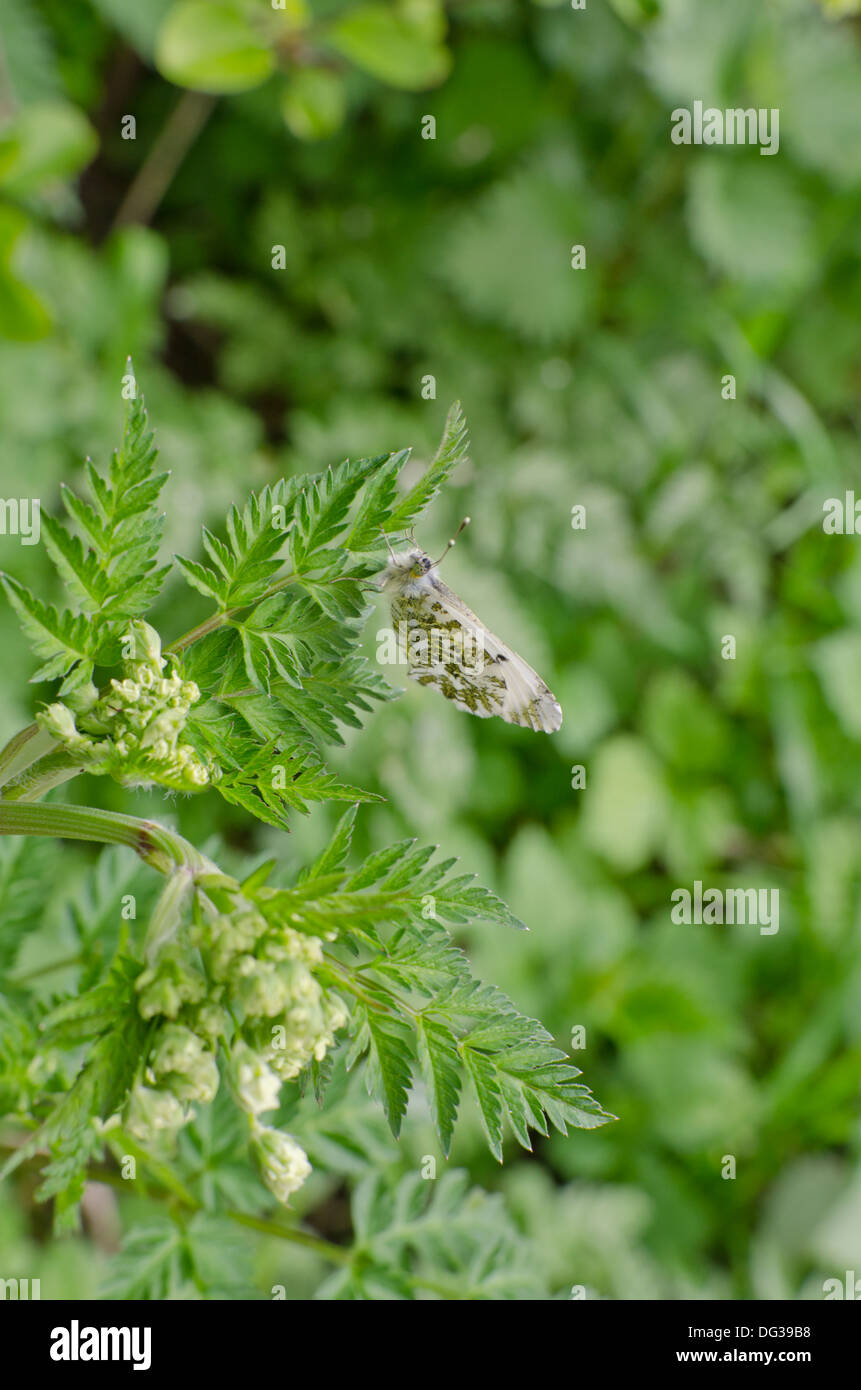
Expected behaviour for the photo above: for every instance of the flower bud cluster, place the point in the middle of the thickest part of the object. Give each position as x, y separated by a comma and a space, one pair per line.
260, 975
181, 1068
268, 973
134, 732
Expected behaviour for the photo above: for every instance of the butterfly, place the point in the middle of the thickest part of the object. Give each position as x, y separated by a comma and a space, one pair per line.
447, 647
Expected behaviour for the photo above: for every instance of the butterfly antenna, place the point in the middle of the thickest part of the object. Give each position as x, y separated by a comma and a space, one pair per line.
388, 542
462, 527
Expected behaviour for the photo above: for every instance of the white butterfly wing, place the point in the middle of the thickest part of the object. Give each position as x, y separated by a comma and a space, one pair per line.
478, 672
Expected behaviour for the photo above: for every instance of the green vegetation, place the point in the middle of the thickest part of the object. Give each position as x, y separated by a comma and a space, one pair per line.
294, 138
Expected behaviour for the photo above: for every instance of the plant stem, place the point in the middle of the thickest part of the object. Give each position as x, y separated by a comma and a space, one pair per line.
48, 772
49, 969
218, 620
120, 1143
156, 845
22, 751
167, 914
339, 1254
157, 172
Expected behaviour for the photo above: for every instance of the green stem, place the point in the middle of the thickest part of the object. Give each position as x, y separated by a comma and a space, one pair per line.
156, 845
120, 1144
339, 1254
22, 751
63, 964
218, 620
167, 914
343, 976
47, 773
175, 139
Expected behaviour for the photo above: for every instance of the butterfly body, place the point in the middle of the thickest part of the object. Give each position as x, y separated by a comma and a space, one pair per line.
449, 648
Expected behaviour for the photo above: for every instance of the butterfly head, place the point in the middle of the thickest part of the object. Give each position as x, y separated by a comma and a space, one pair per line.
412, 572
408, 571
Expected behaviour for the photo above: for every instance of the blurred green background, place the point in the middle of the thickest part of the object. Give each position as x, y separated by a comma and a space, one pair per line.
407, 258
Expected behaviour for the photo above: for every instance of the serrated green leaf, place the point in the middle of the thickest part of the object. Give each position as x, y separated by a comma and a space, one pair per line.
390, 1056
453, 449
62, 638
440, 1063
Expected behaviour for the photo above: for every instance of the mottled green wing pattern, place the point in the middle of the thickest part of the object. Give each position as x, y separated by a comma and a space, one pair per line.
449, 648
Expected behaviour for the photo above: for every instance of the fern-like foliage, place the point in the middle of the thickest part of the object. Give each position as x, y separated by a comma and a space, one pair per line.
439, 1239
168, 1051
108, 565
417, 1010
276, 665
105, 1016
278, 661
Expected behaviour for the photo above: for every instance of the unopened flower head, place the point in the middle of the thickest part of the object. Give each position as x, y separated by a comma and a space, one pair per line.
181, 1062
135, 731
256, 1085
169, 984
151, 1111
283, 1163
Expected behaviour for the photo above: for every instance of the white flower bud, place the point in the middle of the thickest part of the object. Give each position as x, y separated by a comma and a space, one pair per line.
283, 1163
59, 721
149, 1112
257, 1087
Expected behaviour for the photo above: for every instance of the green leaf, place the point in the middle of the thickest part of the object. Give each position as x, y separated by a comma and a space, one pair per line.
205, 580
419, 1239
377, 506
112, 571
212, 47
83, 1017
488, 1093
62, 638
453, 449
23, 316
389, 1046
334, 856
391, 46
440, 1064
244, 566
79, 568
286, 635
314, 103
151, 1264
163, 1259
45, 141
333, 693
461, 900
254, 788
97, 1093
323, 506
28, 870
